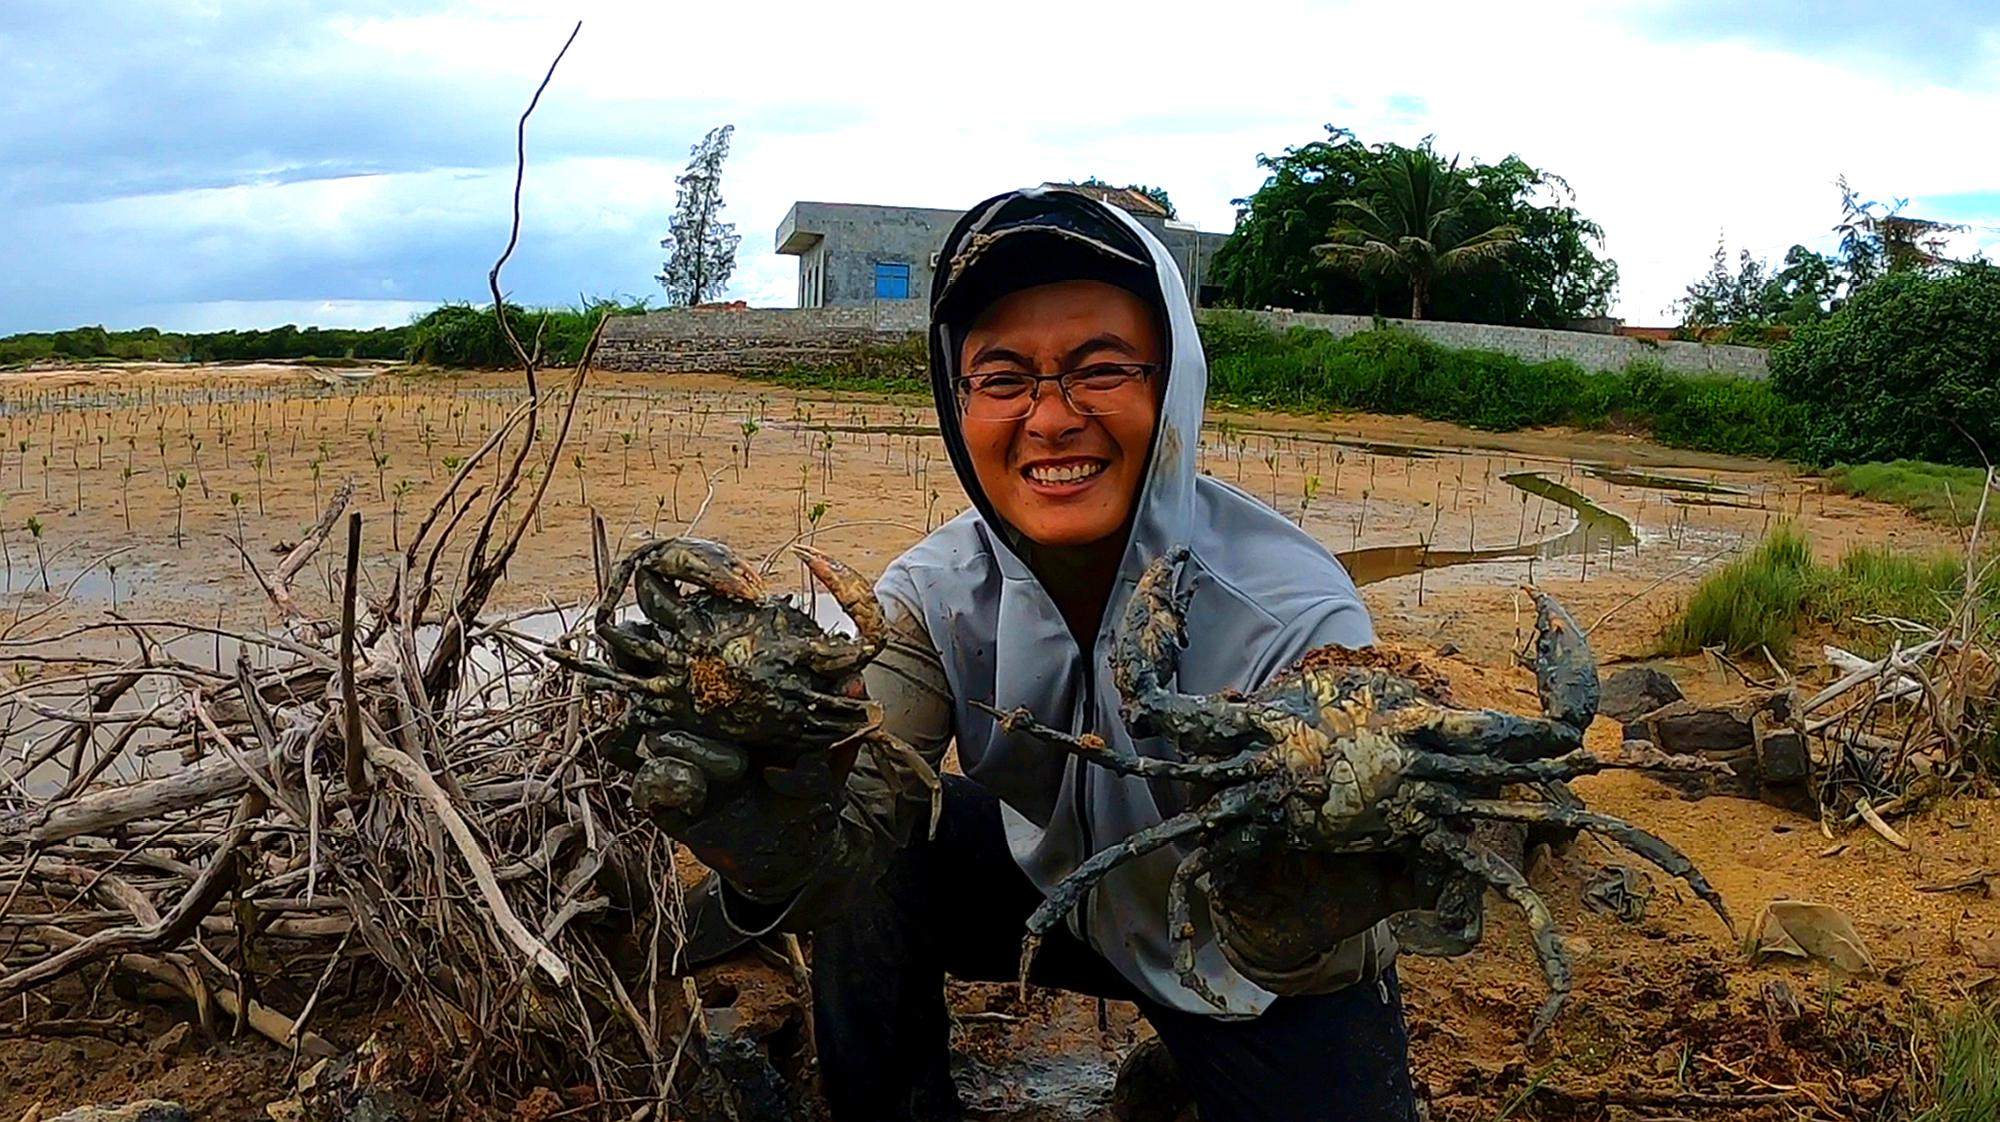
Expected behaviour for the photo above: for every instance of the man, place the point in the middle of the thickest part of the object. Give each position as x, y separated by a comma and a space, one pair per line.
1069, 385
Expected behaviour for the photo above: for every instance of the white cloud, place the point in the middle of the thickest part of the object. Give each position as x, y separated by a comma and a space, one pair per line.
1666, 141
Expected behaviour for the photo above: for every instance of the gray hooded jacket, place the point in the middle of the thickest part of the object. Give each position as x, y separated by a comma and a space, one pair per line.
973, 623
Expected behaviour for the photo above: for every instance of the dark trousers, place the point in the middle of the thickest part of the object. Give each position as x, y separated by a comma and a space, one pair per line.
958, 904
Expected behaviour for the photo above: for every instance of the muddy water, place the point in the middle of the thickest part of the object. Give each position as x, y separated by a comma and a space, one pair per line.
1595, 529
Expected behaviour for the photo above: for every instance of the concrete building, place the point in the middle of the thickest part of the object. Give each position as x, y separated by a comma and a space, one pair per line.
858, 253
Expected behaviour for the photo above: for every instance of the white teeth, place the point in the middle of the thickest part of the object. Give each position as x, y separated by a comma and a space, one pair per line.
1064, 473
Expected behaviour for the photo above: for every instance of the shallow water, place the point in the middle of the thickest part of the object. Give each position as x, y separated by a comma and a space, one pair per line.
1595, 529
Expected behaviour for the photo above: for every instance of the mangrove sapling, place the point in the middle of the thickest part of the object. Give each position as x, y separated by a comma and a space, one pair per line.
35, 529
1308, 490
403, 488
382, 473
45, 477
194, 456
257, 463
1271, 462
582, 479
749, 430
676, 467
236, 507
659, 508
930, 510
1360, 519
315, 466
21, 468
180, 485
625, 471
125, 494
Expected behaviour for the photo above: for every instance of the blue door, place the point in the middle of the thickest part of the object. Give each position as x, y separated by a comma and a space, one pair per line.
892, 281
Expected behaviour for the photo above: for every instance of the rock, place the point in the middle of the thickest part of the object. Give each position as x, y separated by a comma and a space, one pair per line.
1985, 951
1804, 929
138, 1110
1636, 691
1757, 735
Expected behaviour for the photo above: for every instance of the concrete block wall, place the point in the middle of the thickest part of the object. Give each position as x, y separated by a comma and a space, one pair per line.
1587, 349
749, 340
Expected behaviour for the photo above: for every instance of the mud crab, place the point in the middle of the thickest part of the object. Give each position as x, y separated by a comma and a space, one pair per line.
1340, 756
721, 677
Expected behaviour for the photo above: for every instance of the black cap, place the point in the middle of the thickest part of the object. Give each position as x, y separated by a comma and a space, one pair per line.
1023, 239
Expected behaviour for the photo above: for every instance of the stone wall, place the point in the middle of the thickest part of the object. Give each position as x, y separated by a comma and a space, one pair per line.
1590, 350
747, 340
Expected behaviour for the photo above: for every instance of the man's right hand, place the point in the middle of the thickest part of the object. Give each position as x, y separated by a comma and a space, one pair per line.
763, 829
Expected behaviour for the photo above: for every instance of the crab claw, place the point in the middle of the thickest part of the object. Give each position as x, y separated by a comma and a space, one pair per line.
706, 564
835, 654
1565, 667
1147, 651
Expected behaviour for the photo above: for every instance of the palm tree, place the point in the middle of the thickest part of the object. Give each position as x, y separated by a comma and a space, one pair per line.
1409, 226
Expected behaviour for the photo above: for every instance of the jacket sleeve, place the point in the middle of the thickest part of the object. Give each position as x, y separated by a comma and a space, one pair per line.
882, 806
1341, 620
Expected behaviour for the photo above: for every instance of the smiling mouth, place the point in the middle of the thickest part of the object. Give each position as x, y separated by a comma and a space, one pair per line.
1064, 474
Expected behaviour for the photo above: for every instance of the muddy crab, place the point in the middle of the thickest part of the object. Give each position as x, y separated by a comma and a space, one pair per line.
1336, 755
720, 677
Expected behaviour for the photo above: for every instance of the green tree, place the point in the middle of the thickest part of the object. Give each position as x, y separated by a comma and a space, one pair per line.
1554, 274
701, 248
1907, 368
1877, 238
1413, 225
1724, 297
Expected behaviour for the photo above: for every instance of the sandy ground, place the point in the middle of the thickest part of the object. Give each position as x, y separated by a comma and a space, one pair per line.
93, 457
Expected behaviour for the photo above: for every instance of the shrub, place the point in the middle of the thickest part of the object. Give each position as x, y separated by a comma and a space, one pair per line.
1393, 371
1907, 368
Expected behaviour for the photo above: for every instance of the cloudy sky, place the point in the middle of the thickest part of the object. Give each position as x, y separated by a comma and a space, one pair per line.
213, 163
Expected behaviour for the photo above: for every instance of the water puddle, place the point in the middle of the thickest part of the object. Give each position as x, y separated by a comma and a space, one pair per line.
1595, 529
28, 580
1624, 477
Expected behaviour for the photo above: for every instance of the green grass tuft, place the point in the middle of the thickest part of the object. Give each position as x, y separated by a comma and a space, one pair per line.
1766, 597
1939, 492
1755, 601
1968, 1071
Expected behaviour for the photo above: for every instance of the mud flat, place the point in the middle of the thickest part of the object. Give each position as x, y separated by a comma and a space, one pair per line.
1441, 526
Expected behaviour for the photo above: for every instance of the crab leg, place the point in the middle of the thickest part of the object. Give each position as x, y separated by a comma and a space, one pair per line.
1231, 805
1489, 867
836, 654
1657, 850
1180, 925
1489, 732
1480, 769
1244, 766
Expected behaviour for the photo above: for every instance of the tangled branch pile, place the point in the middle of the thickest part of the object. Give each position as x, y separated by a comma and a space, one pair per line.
403, 791
1895, 730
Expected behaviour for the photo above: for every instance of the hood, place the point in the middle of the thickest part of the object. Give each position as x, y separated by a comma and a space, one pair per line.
1166, 495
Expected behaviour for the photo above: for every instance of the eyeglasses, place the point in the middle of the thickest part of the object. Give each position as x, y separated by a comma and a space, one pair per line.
1096, 390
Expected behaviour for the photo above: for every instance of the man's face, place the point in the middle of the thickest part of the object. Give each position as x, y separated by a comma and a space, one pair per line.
1057, 476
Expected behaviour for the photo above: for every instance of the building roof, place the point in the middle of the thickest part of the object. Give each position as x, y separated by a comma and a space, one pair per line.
1124, 198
